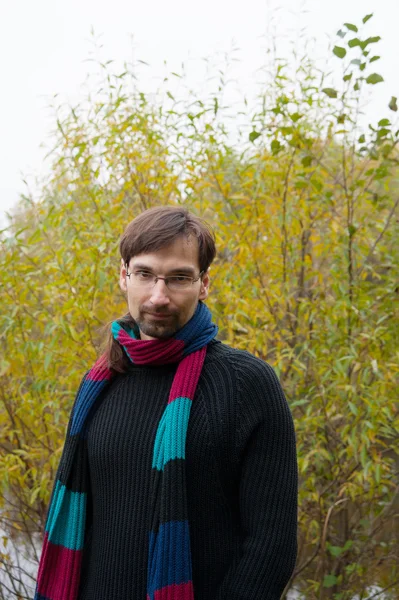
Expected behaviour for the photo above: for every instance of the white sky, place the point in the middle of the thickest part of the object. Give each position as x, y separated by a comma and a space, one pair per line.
45, 44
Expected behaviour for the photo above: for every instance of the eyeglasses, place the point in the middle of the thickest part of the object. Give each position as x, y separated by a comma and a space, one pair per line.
146, 279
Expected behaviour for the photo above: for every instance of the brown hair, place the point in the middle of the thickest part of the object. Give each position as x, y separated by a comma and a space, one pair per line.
158, 227
150, 231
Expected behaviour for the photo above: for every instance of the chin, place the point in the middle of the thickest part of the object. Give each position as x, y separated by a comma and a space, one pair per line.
157, 331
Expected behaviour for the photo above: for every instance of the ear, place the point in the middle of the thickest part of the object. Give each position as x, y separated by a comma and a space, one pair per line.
122, 277
204, 286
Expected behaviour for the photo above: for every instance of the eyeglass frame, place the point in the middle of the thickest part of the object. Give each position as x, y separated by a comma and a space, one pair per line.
165, 279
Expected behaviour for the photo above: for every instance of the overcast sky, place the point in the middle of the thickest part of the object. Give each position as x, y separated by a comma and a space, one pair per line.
45, 44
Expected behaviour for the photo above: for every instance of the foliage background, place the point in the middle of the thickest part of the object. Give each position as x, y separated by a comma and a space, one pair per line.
303, 198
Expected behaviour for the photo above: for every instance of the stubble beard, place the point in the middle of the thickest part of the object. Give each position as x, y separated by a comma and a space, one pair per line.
159, 330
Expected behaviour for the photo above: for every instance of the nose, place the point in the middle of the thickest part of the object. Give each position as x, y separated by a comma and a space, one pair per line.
159, 295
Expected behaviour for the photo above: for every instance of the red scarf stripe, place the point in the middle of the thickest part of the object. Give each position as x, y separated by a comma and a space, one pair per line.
60, 577
181, 591
100, 371
187, 376
156, 352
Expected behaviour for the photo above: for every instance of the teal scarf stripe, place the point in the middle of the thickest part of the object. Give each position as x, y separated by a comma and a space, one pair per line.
170, 440
66, 518
116, 328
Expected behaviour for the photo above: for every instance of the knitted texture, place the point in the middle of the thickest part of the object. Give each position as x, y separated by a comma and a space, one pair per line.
169, 569
241, 478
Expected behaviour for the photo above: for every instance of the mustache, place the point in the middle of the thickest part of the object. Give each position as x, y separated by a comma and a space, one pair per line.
153, 311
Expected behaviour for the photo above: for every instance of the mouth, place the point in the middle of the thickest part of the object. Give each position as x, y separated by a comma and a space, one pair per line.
159, 316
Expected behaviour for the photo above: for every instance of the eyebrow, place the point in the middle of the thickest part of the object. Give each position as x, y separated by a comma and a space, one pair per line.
181, 270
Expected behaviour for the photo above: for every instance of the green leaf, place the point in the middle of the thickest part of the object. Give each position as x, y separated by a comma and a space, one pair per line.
34, 495
374, 58
367, 17
318, 186
296, 116
276, 147
300, 185
299, 402
393, 104
336, 550
378, 473
348, 77
329, 581
353, 408
384, 123
331, 93
352, 230
354, 42
386, 150
169, 95
362, 139
363, 456
339, 51
374, 78
36, 237
372, 40
383, 132
351, 27
47, 360
306, 161
253, 136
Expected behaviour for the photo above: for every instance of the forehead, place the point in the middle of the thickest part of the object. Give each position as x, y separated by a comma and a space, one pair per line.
183, 252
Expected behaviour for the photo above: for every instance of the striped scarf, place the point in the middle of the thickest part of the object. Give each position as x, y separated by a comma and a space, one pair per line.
169, 558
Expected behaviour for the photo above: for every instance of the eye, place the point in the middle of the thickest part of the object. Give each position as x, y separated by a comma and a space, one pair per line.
179, 279
143, 275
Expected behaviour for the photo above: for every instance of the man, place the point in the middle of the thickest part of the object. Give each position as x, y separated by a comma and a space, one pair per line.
178, 478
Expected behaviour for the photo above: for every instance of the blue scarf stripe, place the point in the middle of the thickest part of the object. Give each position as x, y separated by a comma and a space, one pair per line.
198, 331
39, 597
172, 540
89, 393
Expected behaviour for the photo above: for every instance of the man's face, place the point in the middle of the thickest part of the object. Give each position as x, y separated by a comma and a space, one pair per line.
158, 311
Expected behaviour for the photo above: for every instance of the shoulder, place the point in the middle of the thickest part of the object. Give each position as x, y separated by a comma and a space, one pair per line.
255, 380
249, 369
256, 397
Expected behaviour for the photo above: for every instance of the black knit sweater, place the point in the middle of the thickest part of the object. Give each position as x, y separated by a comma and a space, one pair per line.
241, 473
